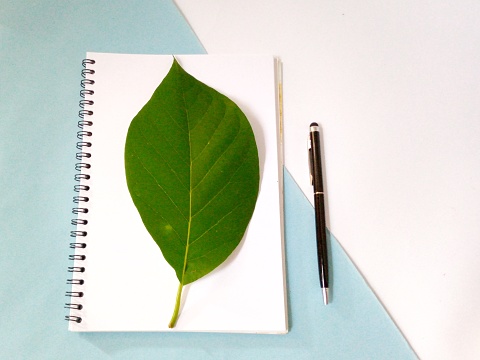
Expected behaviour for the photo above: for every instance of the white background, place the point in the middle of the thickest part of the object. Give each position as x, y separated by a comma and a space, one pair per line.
395, 88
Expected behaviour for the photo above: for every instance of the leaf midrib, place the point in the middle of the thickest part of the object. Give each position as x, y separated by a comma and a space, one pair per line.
190, 188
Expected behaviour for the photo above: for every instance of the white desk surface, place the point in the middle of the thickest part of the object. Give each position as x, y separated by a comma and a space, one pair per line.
395, 86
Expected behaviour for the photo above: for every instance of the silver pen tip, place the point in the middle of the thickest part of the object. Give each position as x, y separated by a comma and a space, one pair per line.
325, 295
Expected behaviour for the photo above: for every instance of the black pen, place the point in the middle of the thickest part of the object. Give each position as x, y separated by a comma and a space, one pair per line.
316, 178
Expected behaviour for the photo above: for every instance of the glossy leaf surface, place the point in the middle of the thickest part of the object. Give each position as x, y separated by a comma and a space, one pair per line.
192, 170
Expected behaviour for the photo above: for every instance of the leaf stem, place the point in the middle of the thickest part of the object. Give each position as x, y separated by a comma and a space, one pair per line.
174, 319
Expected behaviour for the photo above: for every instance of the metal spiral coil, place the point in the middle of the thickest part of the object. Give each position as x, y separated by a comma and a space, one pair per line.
82, 176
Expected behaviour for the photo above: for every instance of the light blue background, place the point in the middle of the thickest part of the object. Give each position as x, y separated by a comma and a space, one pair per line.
42, 45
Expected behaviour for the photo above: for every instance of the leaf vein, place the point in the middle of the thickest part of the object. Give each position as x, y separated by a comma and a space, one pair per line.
167, 139
164, 160
218, 222
173, 118
209, 105
217, 160
179, 238
159, 185
209, 251
225, 184
208, 141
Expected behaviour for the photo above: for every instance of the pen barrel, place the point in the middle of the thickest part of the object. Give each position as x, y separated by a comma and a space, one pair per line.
319, 202
316, 161
321, 232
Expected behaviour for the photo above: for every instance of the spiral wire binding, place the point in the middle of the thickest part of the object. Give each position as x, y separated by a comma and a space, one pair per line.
80, 201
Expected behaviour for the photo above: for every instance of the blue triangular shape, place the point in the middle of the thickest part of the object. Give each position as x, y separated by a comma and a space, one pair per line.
354, 325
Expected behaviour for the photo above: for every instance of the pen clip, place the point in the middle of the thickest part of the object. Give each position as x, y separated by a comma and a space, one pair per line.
310, 162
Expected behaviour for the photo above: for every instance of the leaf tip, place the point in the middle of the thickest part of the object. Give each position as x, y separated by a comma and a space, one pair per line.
175, 62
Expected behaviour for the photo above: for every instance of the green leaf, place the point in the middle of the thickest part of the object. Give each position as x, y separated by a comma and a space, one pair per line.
192, 170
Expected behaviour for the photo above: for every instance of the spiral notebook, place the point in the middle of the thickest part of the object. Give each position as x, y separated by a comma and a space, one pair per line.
120, 280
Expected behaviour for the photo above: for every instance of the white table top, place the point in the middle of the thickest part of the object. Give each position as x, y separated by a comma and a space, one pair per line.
394, 86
